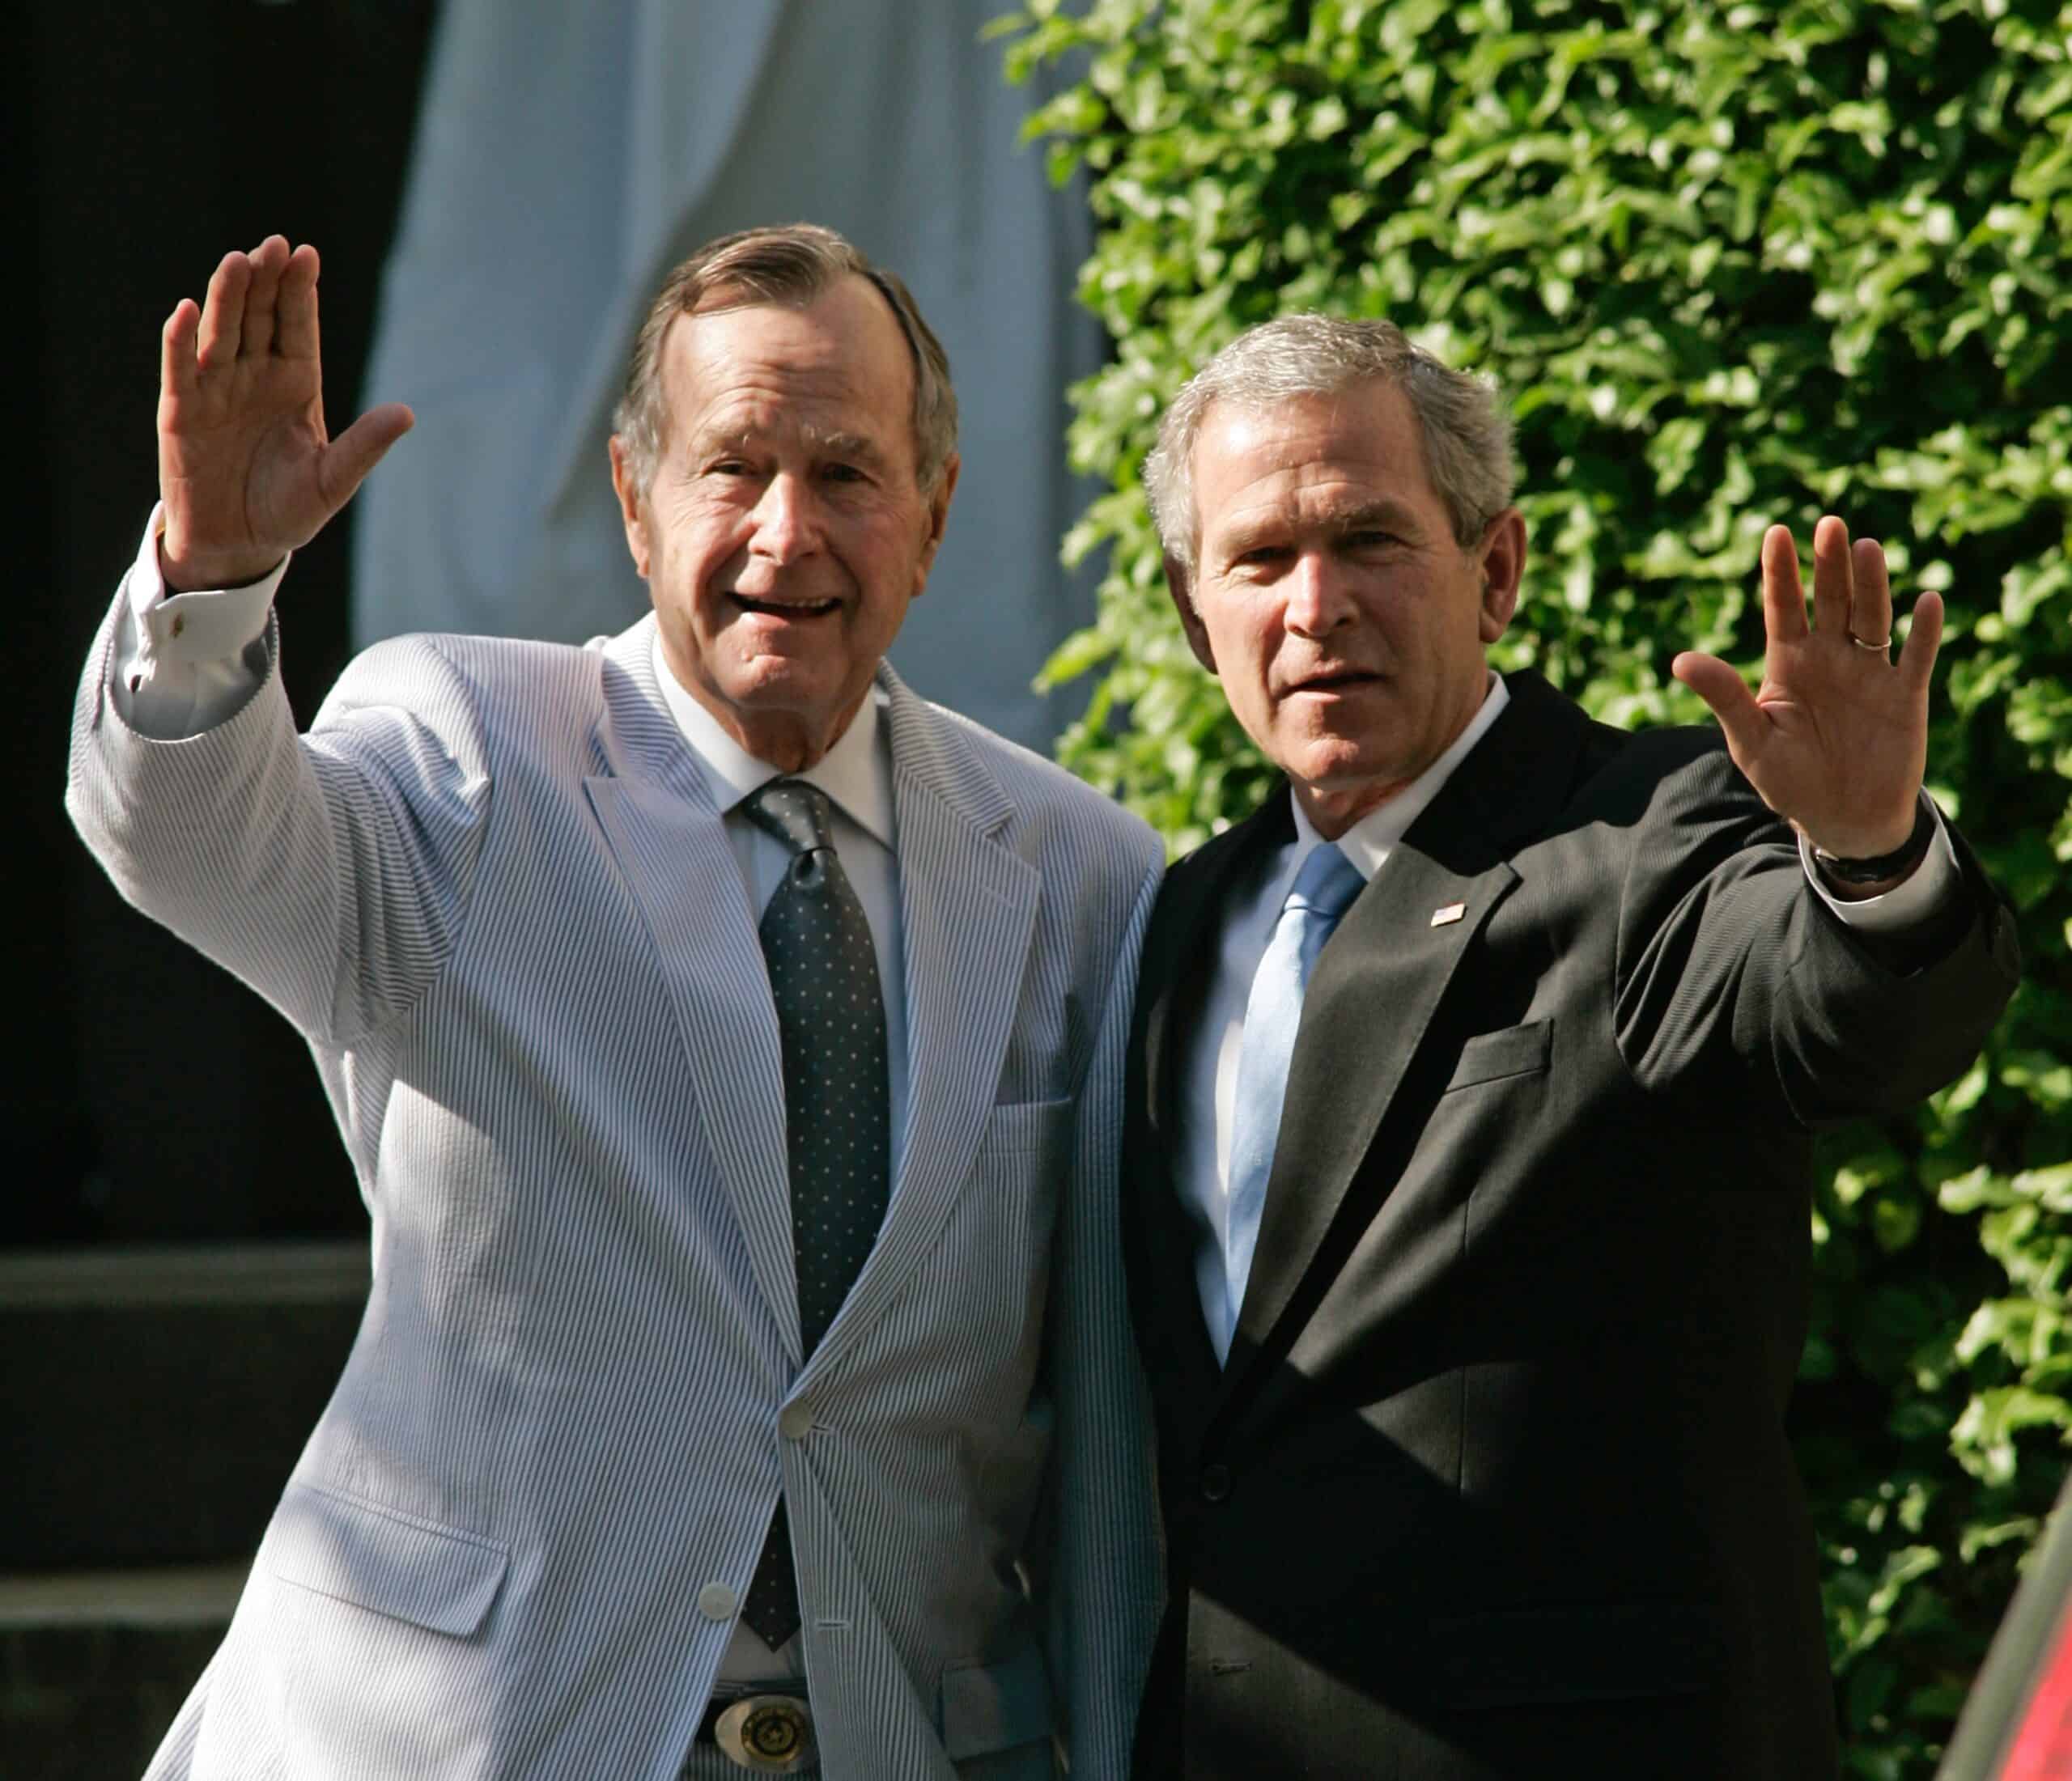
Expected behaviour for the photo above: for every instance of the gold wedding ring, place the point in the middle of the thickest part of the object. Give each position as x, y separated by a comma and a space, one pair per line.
1881, 645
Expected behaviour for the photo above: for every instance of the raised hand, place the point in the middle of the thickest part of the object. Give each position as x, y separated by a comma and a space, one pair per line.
1836, 739
246, 469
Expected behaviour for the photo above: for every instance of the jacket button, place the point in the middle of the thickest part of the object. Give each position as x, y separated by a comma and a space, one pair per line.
1215, 1482
795, 1421
715, 1601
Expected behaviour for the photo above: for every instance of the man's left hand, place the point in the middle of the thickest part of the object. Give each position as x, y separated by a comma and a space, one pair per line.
1836, 739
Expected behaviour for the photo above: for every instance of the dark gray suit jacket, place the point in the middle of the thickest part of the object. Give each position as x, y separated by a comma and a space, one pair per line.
1496, 1482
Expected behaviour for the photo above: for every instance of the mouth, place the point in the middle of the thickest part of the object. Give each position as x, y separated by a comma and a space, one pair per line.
1335, 680
795, 610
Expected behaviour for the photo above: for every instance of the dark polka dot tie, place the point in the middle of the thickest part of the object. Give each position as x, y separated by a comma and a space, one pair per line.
830, 1016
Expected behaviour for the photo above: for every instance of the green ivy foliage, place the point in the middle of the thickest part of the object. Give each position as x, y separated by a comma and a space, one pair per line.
1733, 264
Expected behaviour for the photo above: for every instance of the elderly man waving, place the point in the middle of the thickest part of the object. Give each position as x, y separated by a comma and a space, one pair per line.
729, 1045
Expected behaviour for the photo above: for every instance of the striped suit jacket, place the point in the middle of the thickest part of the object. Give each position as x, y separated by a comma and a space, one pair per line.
491, 888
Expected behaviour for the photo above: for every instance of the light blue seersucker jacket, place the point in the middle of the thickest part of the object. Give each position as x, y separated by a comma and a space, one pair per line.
491, 888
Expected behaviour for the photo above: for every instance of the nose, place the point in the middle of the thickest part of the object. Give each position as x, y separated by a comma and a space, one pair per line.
1318, 600
785, 524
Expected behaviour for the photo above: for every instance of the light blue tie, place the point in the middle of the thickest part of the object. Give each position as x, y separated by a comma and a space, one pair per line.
1323, 891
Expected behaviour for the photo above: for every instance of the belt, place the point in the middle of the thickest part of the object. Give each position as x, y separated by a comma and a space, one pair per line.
767, 1728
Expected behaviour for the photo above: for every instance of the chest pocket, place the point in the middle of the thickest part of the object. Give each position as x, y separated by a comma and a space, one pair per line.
1509, 1051
1026, 1135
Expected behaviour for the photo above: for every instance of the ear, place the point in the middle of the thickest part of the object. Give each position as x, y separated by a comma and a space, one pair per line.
629, 506
1180, 585
1502, 559
938, 517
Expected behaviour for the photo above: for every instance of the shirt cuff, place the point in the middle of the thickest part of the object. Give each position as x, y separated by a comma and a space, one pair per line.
1910, 904
184, 663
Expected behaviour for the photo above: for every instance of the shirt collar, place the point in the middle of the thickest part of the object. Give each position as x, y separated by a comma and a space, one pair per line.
1367, 843
856, 772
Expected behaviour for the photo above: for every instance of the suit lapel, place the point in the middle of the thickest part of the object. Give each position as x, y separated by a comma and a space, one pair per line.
967, 906
1381, 978
1375, 988
657, 813
1184, 935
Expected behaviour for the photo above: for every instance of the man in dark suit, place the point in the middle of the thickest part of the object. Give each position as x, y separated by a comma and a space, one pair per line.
1472, 1077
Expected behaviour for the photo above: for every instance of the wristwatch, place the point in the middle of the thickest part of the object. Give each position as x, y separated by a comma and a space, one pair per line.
1896, 864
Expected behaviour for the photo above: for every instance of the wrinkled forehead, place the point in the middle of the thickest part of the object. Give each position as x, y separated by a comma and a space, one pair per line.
1368, 415
1363, 440
835, 366
843, 339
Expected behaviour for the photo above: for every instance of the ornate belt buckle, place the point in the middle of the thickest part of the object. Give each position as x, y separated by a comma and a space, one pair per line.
770, 1733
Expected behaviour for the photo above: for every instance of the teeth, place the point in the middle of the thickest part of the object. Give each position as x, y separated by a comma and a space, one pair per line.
787, 605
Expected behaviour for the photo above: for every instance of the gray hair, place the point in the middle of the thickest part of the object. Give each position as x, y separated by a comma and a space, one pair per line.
1465, 432
789, 265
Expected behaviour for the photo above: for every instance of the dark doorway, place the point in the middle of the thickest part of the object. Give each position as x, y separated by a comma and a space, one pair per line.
151, 1098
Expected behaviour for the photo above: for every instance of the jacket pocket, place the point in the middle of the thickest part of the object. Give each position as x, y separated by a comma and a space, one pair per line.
1014, 1128
988, 1707
399, 1565
1517, 1656
1509, 1051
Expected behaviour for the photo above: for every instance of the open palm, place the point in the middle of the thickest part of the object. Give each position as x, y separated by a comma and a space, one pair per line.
1835, 738
246, 469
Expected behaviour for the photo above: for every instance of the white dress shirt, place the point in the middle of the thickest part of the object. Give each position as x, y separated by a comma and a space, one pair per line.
191, 660
1209, 1060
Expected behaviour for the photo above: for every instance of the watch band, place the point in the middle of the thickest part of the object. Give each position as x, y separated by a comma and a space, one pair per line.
1896, 864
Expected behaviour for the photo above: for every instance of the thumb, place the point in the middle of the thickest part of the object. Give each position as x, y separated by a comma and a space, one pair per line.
356, 451
1732, 703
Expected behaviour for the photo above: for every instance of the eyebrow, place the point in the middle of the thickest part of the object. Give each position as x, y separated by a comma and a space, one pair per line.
833, 445
845, 445
1382, 510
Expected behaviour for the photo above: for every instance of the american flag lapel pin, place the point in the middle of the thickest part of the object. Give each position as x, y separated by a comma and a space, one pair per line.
1447, 912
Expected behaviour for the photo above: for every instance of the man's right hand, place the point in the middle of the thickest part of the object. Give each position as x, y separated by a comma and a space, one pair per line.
246, 469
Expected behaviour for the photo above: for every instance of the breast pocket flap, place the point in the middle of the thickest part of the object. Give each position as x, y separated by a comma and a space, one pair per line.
1509, 1051
409, 1569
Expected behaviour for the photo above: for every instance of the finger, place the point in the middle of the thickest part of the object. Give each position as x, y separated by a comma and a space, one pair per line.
294, 317
1784, 599
222, 314
177, 369
1870, 593
356, 451
1832, 579
1716, 682
1924, 637
1870, 599
268, 259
